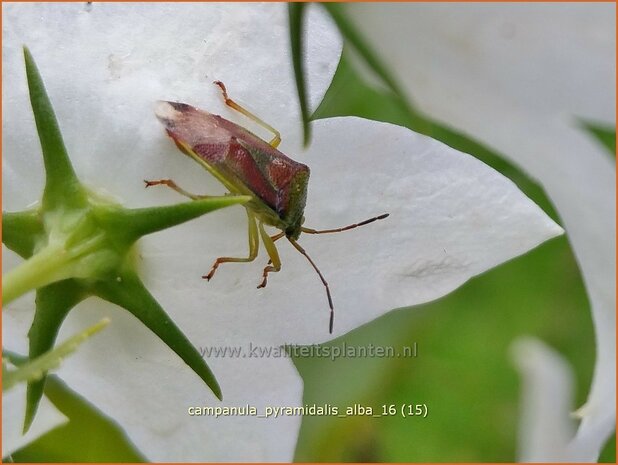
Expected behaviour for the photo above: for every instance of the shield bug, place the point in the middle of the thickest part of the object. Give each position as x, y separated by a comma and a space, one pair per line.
247, 165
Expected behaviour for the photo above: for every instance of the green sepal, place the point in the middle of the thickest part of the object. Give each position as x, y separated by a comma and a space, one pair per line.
20, 231
53, 303
132, 224
61, 184
34, 370
129, 292
296, 13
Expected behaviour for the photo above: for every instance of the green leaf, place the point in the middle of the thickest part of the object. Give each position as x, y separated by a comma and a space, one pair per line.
89, 435
20, 231
604, 133
61, 184
135, 223
296, 12
128, 292
35, 369
53, 303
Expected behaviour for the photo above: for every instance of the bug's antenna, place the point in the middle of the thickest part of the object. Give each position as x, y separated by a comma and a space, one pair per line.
330, 300
345, 228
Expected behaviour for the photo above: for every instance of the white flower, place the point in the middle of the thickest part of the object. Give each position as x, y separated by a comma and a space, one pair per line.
451, 217
517, 77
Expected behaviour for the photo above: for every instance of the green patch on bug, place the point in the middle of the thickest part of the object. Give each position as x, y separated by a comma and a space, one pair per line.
247, 165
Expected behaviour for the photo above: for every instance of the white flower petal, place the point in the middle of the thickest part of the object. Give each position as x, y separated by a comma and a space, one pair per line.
546, 426
13, 408
517, 77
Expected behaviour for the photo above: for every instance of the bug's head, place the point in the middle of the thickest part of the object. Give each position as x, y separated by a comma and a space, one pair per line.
296, 199
293, 231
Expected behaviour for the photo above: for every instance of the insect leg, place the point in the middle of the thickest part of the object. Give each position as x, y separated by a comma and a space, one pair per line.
275, 141
315, 267
275, 238
172, 185
254, 244
271, 248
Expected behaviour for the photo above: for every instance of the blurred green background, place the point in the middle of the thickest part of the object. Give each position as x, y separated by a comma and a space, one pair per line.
463, 371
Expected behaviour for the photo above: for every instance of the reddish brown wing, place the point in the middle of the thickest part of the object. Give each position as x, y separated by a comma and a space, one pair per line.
238, 155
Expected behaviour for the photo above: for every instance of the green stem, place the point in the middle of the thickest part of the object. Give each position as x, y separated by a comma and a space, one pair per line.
51, 264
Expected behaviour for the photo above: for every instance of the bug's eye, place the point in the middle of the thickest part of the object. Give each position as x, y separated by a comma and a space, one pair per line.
302, 220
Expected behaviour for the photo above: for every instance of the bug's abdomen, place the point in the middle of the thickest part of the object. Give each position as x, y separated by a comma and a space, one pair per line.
239, 162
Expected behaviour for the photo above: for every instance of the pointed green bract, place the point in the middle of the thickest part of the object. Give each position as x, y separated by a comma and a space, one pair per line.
296, 13
61, 184
134, 223
53, 303
128, 292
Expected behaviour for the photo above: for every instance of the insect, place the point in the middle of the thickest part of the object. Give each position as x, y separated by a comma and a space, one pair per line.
247, 165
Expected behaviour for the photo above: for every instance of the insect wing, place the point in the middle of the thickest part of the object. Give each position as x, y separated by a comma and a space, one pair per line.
239, 159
